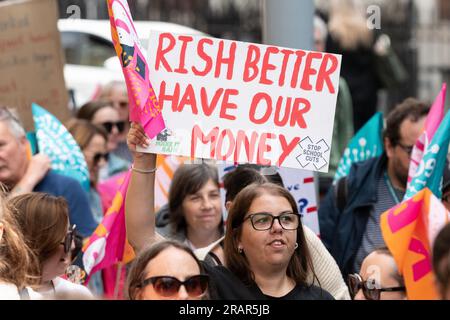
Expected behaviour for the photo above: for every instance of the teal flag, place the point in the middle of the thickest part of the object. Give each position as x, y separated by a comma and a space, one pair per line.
365, 144
57, 143
431, 168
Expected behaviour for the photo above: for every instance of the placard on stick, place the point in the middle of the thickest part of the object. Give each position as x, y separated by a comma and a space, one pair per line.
244, 102
31, 61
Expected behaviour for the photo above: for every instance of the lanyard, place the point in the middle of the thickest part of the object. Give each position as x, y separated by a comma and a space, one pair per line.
391, 189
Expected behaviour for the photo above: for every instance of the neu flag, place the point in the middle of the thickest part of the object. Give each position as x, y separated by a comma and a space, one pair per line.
434, 118
144, 106
366, 143
57, 143
409, 230
431, 167
107, 245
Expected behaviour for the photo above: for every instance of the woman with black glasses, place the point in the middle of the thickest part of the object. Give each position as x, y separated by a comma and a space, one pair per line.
266, 256
44, 222
103, 114
379, 278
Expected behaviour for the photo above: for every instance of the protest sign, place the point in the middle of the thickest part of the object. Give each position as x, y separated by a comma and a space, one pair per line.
31, 61
243, 102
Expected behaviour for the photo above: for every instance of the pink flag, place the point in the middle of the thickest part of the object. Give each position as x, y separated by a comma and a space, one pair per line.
107, 245
108, 188
434, 118
144, 107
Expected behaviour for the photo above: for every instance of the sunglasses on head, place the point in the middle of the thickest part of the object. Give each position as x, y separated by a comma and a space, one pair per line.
120, 104
167, 286
98, 156
120, 125
368, 287
69, 238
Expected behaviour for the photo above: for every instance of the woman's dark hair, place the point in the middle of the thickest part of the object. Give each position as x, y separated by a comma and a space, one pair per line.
411, 109
300, 263
136, 274
89, 109
83, 131
246, 174
441, 258
188, 179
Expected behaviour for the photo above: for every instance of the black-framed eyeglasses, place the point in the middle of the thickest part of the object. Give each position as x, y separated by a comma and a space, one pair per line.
167, 286
120, 125
368, 287
446, 198
98, 156
264, 221
69, 238
407, 149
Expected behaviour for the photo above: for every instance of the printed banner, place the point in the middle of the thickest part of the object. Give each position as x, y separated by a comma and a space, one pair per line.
244, 102
434, 118
409, 230
57, 143
144, 107
367, 143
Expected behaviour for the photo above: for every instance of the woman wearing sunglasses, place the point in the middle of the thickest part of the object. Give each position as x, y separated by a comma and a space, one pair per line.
379, 278
266, 255
44, 222
167, 270
102, 113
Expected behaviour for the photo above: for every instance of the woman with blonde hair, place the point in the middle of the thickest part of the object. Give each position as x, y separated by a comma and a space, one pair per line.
15, 259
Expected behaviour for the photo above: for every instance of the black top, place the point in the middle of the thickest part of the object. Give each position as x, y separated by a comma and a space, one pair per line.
224, 285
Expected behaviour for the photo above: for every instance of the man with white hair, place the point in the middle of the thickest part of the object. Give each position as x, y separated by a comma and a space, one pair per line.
23, 173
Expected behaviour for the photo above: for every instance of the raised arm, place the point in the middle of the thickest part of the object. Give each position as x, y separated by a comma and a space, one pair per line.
139, 203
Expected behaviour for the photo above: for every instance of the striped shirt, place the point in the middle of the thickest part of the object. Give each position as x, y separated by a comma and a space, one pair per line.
372, 238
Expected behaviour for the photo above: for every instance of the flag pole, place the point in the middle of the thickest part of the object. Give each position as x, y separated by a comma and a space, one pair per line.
117, 284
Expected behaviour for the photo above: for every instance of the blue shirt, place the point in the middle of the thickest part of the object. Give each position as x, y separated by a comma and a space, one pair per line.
71, 190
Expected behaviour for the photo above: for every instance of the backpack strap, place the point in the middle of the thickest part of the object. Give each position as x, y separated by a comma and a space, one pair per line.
341, 193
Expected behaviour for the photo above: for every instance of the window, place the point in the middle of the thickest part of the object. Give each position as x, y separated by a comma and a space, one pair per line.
86, 49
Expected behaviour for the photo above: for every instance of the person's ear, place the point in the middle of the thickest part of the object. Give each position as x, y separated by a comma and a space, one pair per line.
389, 148
228, 205
1, 231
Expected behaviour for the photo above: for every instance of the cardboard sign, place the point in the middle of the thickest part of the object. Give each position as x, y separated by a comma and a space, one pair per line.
243, 102
31, 61
300, 183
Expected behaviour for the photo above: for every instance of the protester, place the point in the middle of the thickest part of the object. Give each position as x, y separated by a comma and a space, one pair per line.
328, 275
194, 212
343, 124
167, 270
379, 278
266, 264
23, 174
44, 222
15, 259
116, 93
349, 36
101, 113
92, 141
441, 262
349, 216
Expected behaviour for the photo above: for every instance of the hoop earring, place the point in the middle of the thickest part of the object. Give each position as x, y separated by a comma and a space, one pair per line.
296, 246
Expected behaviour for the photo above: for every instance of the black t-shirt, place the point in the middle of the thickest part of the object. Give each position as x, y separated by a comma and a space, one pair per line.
224, 285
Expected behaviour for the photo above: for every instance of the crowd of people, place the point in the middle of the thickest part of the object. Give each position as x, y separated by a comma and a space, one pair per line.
186, 249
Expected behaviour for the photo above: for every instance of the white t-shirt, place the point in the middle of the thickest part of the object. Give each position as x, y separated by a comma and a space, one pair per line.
66, 290
9, 291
